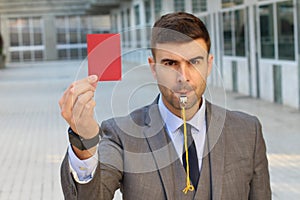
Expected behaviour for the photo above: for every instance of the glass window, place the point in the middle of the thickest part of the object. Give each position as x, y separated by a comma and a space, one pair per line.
73, 24
15, 56
25, 33
203, 5
179, 5
84, 52
285, 23
38, 40
13, 28
137, 14
84, 25
38, 55
74, 53
148, 36
234, 33
199, 5
37, 31
157, 8
227, 33
71, 31
128, 17
14, 39
61, 30
267, 31
62, 54
138, 38
123, 19
26, 55
231, 3
239, 33
128, 24
73, 36
148, 11
13, 25
115, 23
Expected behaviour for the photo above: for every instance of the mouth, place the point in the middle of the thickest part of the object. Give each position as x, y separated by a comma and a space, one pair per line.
183, 93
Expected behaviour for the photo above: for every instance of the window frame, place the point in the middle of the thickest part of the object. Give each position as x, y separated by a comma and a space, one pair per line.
274, 4
232, 11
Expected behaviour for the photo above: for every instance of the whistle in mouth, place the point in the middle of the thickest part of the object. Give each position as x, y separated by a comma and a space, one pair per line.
183, 100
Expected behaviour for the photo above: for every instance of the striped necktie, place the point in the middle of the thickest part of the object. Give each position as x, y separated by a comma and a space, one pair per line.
193, 159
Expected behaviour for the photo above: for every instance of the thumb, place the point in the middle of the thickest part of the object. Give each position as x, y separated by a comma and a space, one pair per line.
93, 80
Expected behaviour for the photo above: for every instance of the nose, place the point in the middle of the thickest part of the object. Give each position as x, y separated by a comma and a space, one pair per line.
183, 73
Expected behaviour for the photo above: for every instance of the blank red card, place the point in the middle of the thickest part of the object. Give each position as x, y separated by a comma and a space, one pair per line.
104, 56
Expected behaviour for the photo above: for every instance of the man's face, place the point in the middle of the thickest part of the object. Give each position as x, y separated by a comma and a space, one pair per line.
181, 69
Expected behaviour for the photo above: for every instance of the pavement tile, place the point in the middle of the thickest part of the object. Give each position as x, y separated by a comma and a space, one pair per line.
35, 140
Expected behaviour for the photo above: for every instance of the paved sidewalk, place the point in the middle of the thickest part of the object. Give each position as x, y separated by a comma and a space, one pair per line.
34, 140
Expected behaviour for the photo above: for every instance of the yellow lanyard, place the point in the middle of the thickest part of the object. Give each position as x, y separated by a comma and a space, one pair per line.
189, 186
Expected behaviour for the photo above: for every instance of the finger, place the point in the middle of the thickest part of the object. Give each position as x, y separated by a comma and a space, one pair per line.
80, 104
90, 109
62, 99
92, 80
83, 85
76, 89
86, 125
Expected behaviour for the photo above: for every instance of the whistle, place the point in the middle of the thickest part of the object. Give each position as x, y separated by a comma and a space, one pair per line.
183, 100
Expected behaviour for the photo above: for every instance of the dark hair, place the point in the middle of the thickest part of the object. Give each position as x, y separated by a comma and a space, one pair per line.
178, 27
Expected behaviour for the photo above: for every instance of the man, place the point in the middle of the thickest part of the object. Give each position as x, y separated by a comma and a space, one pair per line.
145, 154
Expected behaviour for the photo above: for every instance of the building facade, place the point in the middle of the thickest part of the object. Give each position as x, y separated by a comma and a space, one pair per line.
255, 43
37, 30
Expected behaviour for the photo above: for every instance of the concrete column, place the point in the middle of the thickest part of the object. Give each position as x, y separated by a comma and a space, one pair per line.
188, 6
298, 49
50, 37
252, 50
143, 25
167, 6
5, 36
133, 31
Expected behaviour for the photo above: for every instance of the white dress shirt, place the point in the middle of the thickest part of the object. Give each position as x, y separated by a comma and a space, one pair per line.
198, 129
84, 170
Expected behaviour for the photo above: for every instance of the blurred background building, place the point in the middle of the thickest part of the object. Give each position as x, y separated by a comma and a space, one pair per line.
255, 42
36, 30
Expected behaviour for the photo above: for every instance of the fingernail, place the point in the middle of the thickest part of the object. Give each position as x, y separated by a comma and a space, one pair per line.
92, 78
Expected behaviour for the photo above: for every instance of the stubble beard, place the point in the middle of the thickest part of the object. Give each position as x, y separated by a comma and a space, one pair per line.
173, 100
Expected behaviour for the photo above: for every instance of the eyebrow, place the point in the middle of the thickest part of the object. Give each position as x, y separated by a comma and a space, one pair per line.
168, 60
172, 60
198, 57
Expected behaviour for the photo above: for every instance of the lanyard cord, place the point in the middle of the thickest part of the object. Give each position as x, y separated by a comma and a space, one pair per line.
189, 186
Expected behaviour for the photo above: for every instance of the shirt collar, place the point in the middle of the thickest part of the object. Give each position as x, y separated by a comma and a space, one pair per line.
173, 122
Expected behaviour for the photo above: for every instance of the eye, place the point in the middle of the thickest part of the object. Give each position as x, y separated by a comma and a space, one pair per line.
169, 63
195, 61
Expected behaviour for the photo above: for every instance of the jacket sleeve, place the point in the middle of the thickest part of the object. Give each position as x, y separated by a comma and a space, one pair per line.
108, 173
260, 184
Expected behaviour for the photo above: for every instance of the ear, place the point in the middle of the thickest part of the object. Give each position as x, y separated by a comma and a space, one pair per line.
151, 62
209, 63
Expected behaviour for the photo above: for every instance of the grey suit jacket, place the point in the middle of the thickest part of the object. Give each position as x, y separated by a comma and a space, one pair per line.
136, 155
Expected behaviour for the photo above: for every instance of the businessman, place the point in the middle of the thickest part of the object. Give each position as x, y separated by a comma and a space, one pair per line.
179, 147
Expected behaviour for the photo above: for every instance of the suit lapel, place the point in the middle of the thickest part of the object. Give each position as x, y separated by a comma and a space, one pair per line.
215, 145
169, 167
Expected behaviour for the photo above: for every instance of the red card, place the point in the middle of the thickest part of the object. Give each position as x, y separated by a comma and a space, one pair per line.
104, 56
